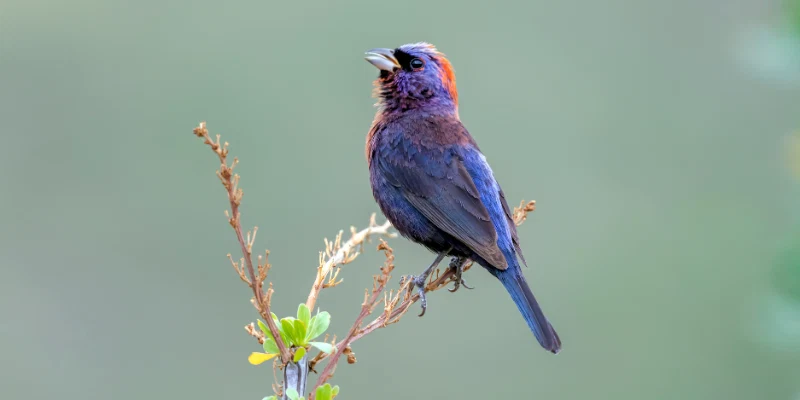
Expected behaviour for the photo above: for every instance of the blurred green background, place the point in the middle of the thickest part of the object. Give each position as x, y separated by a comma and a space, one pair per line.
651, 134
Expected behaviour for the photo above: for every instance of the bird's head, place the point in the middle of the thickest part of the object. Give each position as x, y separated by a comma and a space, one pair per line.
414, 76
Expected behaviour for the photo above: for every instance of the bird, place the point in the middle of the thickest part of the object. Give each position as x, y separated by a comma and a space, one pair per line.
433, 183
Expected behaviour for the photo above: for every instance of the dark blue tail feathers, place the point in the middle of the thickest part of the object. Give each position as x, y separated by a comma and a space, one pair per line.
520, 292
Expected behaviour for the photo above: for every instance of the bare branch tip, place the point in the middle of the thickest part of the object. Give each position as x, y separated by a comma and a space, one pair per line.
200, 130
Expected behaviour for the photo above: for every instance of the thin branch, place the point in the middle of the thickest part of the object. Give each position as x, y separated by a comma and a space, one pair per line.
521, 213
256, 333
231, 182
396, 304
393, 312
370, 300
337, 254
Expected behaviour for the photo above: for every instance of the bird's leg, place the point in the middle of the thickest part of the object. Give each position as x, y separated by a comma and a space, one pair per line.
419, 281
457, 265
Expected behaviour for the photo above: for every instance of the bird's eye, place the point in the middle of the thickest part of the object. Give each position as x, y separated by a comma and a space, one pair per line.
416, 63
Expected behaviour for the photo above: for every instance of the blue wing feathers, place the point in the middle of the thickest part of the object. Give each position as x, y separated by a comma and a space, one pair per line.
437, 188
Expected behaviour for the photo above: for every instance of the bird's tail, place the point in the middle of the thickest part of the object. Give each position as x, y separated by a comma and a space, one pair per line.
520, 292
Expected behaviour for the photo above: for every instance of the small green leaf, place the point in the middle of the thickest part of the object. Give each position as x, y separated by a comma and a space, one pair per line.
299, 353
292, 393
304, 314
284, 339
287, 331
319, 324
324, 392
261, 325
335, 391
270, 398
270, 346
265, 329
312, 326
299, 333
323, 347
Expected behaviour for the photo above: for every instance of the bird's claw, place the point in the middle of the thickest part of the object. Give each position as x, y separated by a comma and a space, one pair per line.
457, 265
419, 283
457, 283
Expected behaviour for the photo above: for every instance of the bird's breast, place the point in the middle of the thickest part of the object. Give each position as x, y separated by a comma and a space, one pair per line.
413, 132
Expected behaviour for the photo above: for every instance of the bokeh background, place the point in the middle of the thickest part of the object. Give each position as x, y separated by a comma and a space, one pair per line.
656, 137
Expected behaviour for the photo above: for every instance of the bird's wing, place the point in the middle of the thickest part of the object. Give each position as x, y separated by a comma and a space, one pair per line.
441, 188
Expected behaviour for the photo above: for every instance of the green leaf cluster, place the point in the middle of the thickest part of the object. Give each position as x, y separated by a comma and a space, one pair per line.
298, 333
326, 392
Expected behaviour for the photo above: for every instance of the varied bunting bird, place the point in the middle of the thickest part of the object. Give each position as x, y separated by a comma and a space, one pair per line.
432, 182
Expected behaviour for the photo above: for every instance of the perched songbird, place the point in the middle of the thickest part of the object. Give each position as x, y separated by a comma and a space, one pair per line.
433, 183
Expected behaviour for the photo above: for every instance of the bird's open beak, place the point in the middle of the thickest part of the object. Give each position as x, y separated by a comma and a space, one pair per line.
383, 59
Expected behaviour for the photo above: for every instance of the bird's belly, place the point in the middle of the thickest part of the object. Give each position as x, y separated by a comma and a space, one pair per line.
405, 218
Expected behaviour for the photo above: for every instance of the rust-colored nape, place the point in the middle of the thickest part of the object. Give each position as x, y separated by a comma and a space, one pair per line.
448, 77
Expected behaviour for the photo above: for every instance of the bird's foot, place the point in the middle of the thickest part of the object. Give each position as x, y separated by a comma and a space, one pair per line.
419, 283
457, 265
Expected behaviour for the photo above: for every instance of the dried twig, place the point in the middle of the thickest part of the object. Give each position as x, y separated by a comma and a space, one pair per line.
396, 303
371, 299
521, 213
337, 254
231, 182
394, 311
256, 333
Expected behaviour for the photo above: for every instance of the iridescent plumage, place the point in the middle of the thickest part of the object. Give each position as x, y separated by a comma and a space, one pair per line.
431, 180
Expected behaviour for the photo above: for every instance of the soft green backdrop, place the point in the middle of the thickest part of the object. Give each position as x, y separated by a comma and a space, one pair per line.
654, 153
